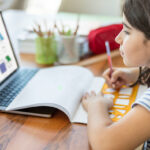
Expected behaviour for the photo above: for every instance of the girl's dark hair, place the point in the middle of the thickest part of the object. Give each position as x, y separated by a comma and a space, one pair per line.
137, 12
144, 77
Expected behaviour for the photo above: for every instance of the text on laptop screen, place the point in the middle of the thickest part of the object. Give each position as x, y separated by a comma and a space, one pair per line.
8, 62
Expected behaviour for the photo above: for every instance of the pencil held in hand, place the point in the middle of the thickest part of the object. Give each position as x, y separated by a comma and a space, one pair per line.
109, 56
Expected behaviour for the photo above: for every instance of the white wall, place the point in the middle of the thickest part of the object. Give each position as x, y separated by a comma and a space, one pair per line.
12, 4
102, 7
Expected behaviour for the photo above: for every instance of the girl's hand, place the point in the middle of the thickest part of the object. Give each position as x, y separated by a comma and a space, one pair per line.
121, 76
91, 98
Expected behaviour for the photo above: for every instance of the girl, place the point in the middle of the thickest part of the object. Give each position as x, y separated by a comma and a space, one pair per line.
133, 129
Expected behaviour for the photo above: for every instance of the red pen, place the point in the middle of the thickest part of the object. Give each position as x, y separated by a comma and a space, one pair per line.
109, 57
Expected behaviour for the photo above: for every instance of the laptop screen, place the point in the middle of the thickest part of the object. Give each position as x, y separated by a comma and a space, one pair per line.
8, 63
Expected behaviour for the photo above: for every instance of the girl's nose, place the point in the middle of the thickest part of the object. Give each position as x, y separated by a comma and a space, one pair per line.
118, 38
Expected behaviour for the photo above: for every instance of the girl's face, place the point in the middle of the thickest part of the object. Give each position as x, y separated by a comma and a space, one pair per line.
134, 47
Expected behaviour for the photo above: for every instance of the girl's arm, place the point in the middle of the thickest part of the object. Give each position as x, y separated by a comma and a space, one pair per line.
126, 134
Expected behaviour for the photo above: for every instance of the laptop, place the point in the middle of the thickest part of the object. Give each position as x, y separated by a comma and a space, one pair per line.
13, 78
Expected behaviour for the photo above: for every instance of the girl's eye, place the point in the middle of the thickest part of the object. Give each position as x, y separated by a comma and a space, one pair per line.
126, 32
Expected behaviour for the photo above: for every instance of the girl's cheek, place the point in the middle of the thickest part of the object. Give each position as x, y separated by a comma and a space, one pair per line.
126, 43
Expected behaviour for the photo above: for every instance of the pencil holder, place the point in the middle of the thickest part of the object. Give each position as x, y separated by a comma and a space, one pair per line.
45, 50
67, 51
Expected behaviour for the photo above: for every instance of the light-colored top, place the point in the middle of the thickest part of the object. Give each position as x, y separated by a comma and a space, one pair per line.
144, 101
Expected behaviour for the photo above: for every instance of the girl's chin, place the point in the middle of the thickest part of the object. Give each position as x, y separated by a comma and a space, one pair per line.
126, 62
129, 64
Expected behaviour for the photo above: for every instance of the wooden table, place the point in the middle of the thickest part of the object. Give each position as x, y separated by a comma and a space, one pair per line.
18, 132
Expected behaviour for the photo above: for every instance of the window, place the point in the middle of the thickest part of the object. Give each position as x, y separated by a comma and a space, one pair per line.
43, 6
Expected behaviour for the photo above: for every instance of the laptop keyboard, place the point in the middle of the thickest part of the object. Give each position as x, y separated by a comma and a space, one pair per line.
16, 85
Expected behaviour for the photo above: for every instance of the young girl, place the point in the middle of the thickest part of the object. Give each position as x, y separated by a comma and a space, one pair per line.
134, 128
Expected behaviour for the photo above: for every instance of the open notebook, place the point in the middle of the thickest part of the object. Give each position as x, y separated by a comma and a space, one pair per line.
62, 87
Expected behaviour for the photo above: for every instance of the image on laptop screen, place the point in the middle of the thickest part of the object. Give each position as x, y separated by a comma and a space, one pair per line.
8, 63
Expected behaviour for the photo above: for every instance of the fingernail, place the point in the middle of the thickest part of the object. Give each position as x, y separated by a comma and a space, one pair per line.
113, 85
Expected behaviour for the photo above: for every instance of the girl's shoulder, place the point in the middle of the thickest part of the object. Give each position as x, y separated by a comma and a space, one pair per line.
144, 100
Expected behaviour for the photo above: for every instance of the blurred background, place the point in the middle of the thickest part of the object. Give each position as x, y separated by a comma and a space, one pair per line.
101, 7
22, 15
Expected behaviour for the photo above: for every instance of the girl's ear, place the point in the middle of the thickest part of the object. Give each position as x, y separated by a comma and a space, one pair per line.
147, 45
147, 42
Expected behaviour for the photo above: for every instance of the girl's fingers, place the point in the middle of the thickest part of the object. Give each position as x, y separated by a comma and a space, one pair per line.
107, 77
118, 84
93, 93
106, 72
108, 81
116, 75
85, 96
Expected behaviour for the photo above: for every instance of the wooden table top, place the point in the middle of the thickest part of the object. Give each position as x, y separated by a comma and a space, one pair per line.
18, 132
